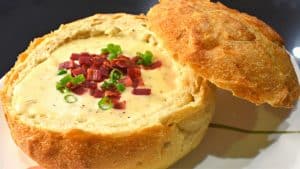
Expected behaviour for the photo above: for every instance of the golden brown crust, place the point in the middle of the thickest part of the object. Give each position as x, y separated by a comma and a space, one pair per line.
157, 146
151, 148
233, 50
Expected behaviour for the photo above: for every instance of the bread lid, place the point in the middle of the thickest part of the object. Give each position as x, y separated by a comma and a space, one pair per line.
233, 50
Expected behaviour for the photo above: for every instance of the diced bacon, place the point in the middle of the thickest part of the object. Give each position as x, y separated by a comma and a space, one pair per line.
98, 60
67, 65
80, 90
113, 94
122, 62
137, 82
120, 105
90, 85
135, 59
75, 56
126, 81
78, 71
94, 75
97, 93
69, 85
144, 91
154, 65
104, 71
135, 74
85, 54
85, 60
107, 64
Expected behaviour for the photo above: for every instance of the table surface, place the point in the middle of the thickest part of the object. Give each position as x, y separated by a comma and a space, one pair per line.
21, 21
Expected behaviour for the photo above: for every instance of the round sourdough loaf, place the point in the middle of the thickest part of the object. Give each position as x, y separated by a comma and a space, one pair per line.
233, 50
151, 133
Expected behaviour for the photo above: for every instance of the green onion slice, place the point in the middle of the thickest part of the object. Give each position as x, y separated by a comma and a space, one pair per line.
115, 75
78, 79
62, 72
70, 98
120, 87
145, 58
107, 84
66, 79
112, 50
105, 103
60, 87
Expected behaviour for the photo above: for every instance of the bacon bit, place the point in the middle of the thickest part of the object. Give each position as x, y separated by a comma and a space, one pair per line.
67, 65
75, 56
135, 59
120, 105
69, 85
85, 60
98, 60
107, 64
85, 54
113, 94
104, 71
135, 74
78, 71
90, 85
126, 81
137, 82
122, 62
154, 65
94, 75
80, 90
145, 91
97, 93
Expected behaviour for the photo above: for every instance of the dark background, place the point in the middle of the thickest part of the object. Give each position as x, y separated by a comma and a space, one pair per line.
22, 20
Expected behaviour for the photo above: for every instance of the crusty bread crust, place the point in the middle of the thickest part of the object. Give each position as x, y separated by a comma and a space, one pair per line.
153, 147
233, 50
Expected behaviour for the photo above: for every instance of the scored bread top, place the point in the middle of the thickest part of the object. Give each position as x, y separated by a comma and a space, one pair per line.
35, 101
233, 50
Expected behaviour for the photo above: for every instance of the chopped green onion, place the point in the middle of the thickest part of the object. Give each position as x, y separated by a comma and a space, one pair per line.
112, 50
62, 72
112, 56
105, 103
66, 79
78, 79
107, 84
145, 58
115, 75
60, 87
120, 87
70, 98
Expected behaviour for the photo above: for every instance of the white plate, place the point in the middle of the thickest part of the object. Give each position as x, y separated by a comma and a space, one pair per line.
221, 148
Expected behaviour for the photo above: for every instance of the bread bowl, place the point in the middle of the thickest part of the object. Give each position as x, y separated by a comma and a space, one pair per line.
57, 135
152, 132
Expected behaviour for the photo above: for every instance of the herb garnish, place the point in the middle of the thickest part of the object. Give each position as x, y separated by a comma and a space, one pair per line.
145, 58
62, 72
62, 84
114, 76
112, 50
105, 103
70, 98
